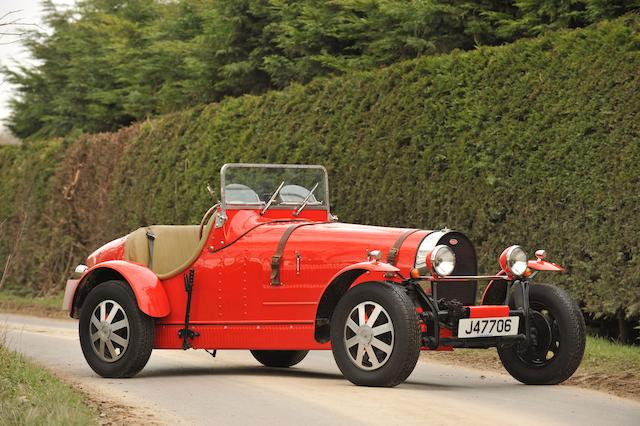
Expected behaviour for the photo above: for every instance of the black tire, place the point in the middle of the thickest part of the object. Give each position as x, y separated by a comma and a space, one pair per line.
558, 347
280, 359
402, 343
139, 332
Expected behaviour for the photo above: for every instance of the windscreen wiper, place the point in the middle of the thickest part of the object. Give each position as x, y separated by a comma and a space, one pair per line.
306, 200
272, 199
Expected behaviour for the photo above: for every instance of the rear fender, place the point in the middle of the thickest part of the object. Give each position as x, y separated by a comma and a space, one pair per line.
147, 288
338, 286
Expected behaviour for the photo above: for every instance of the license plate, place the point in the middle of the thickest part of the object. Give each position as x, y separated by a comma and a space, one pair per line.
488, 327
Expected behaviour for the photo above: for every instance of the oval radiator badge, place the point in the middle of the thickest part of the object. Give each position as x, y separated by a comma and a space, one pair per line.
453, 241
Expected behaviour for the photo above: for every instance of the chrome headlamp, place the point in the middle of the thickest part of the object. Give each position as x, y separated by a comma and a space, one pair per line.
514, 261
442, 260
439, 260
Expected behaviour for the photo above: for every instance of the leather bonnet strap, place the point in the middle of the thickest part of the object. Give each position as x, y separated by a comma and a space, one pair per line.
151, 237
393, 252
275, 260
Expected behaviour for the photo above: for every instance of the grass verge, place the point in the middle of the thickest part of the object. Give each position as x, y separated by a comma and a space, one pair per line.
606, 366
30, 395
48, 306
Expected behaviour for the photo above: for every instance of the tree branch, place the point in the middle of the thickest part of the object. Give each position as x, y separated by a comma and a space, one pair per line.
9, 13
13, 27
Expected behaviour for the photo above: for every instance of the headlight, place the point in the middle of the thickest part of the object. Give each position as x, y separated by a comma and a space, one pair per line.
514, 261
442, 260
434, 259
426, 246
421, 256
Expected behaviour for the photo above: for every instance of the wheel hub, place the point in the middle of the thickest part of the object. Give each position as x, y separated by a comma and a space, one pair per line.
109, 331
369, 336
537, 352
105, 330
365, 335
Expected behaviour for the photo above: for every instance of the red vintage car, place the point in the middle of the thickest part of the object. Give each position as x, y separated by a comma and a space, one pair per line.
271, 270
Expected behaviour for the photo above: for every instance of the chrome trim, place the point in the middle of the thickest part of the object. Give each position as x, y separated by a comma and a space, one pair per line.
509, 264
463, 277
272, 199
374, 255
80, 270
221, 219
434, 253
306, 200
430, 241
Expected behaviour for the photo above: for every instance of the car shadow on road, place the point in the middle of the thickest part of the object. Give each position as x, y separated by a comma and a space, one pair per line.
424, 385
298, 373
240, 371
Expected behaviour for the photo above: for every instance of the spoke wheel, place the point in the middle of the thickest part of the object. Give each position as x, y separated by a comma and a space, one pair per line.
368, 336
109, 330
557, 342
375, 334
115, 336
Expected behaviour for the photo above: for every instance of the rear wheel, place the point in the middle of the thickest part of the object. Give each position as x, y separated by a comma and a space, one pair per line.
557, 339
115, 336
281, 359
375, 335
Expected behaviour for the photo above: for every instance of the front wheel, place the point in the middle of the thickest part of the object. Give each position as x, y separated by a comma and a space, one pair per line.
115, 336
375, 335
558, 336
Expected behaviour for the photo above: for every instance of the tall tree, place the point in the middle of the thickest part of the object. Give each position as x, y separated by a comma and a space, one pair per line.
106, 63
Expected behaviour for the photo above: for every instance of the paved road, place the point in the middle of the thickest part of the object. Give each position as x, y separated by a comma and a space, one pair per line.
193, 388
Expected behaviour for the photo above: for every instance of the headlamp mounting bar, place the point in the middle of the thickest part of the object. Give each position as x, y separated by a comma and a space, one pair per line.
464, 278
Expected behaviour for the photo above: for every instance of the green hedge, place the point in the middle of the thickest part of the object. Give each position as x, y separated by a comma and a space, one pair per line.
534, 143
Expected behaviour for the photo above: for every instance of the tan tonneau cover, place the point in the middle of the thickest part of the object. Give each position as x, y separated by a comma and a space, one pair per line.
175, 247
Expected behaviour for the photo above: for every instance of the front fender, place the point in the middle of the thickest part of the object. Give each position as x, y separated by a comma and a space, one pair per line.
362, 267
147, 288
338, 286
496, 291
543, 265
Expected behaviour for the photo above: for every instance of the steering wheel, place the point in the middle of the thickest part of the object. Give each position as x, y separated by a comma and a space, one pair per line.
206, 217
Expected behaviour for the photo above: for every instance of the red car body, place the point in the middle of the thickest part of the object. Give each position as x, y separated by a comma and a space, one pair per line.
242, 297
234, 304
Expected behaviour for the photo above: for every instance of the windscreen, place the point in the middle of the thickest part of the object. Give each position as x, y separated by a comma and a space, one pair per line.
286, 186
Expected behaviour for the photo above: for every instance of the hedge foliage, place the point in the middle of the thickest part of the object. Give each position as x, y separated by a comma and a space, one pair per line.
534, 143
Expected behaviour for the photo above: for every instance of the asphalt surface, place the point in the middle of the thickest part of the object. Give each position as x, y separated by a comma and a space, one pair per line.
194, 388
